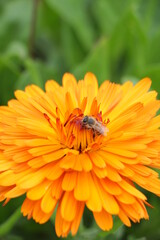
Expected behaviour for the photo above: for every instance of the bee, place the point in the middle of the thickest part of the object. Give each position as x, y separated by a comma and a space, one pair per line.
97, 126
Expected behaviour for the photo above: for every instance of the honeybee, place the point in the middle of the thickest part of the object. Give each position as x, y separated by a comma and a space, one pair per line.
92, 123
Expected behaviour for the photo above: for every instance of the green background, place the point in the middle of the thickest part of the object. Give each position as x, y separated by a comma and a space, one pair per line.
40, 40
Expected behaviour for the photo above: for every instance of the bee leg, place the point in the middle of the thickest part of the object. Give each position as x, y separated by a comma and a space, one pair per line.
94, 134
80, 148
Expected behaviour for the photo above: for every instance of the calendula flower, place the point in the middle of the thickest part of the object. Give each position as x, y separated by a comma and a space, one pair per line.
78, 145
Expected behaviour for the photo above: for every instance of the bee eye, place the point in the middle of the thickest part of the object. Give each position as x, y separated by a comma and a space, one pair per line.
85, 119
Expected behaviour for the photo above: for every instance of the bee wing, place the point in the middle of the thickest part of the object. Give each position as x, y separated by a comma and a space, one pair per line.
104, 130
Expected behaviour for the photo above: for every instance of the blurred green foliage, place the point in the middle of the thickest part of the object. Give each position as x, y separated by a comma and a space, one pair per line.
116, 40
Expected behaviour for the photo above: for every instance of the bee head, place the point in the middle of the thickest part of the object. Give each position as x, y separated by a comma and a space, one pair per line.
85, 120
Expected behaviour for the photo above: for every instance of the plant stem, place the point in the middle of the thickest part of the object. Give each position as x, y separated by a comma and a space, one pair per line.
10, 222
33, 28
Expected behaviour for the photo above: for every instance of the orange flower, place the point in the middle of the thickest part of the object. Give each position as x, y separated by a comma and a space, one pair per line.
58, 157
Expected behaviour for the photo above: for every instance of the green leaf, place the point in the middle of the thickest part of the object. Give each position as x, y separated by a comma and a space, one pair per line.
72, 51
37, 72
13, 237
16, 49
127, 47
154, 49
23, 81
15, 24
148, 13
96, 62
89, 234
108, 13
76, 15
48, 22
31, 75
34, 72
9, 74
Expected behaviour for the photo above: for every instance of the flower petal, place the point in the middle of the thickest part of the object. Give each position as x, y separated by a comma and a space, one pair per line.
48, 203
82, 188
104, 220
38, 191
69, 181
132, 190
68, 206
109, 203
94, 202
76, 222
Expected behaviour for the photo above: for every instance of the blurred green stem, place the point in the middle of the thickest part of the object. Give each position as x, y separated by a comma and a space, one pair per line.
10, 222
33, 28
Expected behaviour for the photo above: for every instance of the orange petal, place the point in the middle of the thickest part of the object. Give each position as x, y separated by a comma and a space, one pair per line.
71, 102
126, 198
51, 85
113, 174
36, 142
111, 187
94, 202
62, 227
154, 123
97, 159
132, 190
76, 222
55, 155
77, 164
40, 216
127, 172
152, 185
27, 207
108, 201
36, 127
100, 172
15, 192
142, 86
110, 159
69, 81
57, 188
38, 191
69, 181
7, 178
32, 179
5, 165
90, 80
82, 188
104, 220
68, 206
36, 162
85, 162
39, 151
68, 162
108, 101
48, 203
65, 228
91, 87
121, 152
124, 218
54, 171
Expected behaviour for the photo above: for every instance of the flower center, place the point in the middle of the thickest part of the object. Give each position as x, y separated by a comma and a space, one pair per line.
83, 131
